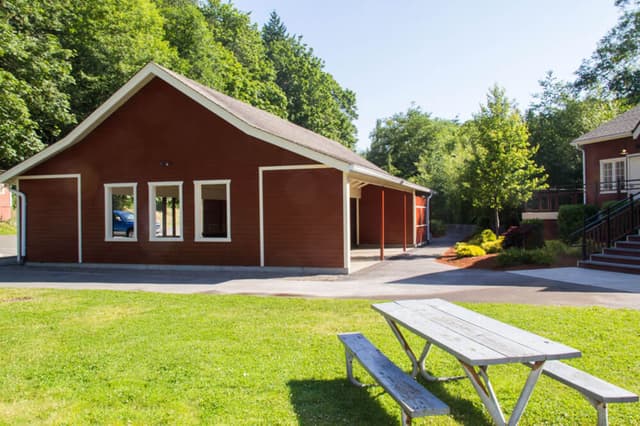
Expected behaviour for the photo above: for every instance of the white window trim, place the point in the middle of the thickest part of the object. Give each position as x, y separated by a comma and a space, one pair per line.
152, 211
108, 212
612, 161
197, 186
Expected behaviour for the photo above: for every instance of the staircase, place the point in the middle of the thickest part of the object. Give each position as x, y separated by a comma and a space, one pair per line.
624, 256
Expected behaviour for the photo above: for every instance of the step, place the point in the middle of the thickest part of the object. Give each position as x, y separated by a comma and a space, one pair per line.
608, 266
618, 251
613, 258
628, 244
633, 238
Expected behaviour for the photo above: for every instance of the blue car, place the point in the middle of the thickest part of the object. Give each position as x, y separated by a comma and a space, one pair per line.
123, 223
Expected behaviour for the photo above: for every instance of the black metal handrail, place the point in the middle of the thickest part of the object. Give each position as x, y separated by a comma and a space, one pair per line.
607, 226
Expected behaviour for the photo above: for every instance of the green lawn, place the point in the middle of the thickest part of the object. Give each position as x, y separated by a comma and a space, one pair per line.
77, 357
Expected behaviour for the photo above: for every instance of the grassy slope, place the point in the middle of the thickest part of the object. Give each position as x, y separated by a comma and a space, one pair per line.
117, 357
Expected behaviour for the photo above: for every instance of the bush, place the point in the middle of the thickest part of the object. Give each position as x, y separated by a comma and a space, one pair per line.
482, 237
529, 235
559, 248
571, 218
469, 250
493, 246
518, 256
438, 228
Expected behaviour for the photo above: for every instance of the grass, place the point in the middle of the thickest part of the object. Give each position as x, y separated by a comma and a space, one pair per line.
78, 357
7, 228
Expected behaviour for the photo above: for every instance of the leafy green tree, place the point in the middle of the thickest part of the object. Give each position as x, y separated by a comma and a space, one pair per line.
315, 100
111, 40
615, 64
558, 117
34, 75
502, 172
398, 142
233, 30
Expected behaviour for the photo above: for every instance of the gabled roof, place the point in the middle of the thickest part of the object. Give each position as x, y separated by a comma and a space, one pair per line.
623, 126
249, 119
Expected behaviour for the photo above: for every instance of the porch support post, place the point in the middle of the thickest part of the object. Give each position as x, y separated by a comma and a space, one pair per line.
382, 224
404, 221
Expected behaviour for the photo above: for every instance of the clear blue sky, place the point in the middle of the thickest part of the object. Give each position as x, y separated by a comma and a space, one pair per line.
441, 55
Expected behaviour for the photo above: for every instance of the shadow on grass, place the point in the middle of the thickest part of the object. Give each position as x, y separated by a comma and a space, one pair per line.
339, 402
329, 402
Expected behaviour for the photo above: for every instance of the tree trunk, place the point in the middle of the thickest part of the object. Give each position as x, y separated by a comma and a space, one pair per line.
497, 221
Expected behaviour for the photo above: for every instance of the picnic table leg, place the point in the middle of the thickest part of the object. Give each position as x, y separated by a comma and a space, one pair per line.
423, 369
534, 375
482, 385
406, 347
348, 355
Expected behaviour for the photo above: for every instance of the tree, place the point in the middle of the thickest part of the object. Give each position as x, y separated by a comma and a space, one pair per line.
502, 172
233, 30
111, 40
398, 142
34, 75
315, 100
615, 64
558, 117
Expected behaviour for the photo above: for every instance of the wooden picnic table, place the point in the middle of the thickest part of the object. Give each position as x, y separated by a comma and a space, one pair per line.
477, 342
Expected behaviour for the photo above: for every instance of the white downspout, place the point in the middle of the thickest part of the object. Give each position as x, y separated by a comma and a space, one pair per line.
429, 218
584, 177
22, 225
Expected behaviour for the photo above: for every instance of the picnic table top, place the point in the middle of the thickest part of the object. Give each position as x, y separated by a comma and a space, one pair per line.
472, 337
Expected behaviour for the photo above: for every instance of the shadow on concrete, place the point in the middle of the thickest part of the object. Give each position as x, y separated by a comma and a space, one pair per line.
480, 277
60, 274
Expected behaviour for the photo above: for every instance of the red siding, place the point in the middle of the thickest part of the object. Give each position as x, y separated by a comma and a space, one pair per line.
5, 203
52, 219
303, 218
393, 209
599, 151
421, 220
158, 125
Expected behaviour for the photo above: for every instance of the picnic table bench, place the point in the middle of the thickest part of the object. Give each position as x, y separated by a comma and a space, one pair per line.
478, 342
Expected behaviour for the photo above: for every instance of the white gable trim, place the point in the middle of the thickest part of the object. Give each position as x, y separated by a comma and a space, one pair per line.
152, 70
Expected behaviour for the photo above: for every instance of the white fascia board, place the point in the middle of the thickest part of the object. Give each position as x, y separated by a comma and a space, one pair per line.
91, 122
601, 139
399, 183
636, 132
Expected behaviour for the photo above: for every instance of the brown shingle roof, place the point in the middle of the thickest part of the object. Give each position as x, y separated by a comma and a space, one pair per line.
621, 126
277, 126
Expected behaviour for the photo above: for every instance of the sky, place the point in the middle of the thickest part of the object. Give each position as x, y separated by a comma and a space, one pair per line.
442, 56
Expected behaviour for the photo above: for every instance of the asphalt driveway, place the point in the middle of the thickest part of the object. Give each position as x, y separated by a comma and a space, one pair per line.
413, 275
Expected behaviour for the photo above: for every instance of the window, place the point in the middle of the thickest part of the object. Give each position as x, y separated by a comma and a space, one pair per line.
612, 175
120, 207
212, 210
165, 211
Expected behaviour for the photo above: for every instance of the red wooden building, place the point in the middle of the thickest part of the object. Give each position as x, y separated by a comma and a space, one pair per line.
170, 172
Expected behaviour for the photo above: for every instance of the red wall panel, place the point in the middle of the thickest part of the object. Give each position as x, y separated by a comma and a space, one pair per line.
303, 218
370, 211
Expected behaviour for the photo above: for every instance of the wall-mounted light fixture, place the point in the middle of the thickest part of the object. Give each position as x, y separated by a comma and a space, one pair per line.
165, 163
623, 151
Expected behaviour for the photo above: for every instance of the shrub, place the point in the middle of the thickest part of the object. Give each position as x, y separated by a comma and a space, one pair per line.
559, 248
469, 250
571, 218
493, 246
482, 237
529, 235
438, 228
518, 256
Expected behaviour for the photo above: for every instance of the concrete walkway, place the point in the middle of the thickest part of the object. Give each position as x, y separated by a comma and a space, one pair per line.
412, 275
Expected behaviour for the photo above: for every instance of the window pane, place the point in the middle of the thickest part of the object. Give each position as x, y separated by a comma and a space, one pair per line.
607, 176
122, 210
214, 210
167, 211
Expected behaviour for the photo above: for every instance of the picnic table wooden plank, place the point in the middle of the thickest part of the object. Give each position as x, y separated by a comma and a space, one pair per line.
513, 351
552, 350
463, 348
